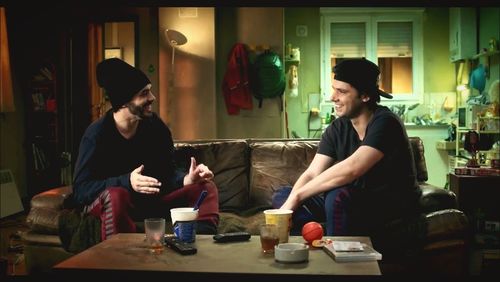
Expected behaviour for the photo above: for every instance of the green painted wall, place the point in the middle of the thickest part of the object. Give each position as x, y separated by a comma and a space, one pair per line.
309, 67
254, 27
439, 72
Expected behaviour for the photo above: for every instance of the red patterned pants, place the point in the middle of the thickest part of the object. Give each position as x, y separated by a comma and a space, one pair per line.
118, 208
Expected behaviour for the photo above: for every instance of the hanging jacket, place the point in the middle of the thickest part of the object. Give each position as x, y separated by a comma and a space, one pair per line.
235, 85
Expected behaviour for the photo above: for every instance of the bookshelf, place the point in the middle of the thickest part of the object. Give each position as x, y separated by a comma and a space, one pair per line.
43, 129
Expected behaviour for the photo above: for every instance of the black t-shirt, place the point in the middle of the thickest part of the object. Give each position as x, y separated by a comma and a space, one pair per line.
389, 190
106, 158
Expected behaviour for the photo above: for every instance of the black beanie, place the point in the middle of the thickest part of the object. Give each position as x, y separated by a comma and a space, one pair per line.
120, 80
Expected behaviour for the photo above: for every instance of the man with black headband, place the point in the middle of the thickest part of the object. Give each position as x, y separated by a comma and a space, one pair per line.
125, 170
363, 172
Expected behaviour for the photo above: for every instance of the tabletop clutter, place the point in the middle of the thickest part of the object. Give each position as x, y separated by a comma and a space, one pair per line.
274, 238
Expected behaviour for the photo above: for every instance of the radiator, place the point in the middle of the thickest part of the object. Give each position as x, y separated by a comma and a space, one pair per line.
9, 195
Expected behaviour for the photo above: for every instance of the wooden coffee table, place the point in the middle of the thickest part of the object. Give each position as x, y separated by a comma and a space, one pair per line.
127, 255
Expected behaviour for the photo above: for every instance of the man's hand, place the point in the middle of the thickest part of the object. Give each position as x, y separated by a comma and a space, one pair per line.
143, 184
197, 173
291, 202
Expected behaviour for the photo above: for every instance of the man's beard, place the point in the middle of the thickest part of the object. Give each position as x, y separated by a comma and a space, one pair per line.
140, 110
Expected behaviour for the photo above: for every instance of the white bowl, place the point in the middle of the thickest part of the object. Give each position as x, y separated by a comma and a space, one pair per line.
291, 252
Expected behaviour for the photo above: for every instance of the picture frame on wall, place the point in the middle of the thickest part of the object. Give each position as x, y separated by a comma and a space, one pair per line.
113, 53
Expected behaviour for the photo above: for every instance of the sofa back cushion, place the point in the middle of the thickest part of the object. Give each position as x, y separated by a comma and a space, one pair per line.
248, 171
417, 146
228, 160
277, 163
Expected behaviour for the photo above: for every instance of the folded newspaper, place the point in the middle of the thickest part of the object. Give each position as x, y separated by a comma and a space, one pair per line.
349, 251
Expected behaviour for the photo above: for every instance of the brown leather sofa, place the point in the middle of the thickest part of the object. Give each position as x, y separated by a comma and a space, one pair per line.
247, 171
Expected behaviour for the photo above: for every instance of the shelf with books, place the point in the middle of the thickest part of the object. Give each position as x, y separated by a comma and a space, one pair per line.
42, 129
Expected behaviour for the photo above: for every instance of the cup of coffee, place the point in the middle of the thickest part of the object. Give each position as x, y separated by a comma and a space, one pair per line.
155, 234
281, 218
269, 237
184, 223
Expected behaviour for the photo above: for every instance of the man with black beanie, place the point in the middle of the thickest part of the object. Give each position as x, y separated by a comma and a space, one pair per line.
363, 172
125, 171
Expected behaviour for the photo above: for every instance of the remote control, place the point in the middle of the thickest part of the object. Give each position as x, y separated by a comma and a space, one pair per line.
232, 237
179, 246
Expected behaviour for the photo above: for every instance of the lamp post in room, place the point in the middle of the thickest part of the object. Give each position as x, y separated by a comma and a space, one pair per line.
174, 39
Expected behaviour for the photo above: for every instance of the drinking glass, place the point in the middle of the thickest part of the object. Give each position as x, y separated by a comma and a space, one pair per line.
155, 234
269, 237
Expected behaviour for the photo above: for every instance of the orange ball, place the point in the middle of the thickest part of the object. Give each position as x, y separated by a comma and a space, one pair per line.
312, 231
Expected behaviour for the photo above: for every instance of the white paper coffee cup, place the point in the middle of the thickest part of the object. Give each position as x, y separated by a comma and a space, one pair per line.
183, 214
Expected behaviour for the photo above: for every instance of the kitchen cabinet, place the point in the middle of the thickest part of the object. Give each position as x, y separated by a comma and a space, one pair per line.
478, 198
463, 35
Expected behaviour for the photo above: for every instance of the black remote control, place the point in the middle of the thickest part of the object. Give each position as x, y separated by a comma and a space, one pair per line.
179, 246
232, 237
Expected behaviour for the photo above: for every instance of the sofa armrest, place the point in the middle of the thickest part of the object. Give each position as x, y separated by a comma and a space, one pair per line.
434, 198
52, 199
43, 216
446, 224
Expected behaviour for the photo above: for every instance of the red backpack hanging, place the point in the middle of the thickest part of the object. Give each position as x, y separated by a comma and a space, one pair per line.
235, 86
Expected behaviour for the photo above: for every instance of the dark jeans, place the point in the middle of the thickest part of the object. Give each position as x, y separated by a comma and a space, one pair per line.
330, 207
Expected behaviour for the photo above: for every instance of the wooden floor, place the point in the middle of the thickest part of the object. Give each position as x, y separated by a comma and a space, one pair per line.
11, 245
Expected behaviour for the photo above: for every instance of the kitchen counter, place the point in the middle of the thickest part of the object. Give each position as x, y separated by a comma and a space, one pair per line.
417, 126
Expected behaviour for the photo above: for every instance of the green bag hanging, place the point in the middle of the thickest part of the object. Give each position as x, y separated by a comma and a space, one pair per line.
268, 77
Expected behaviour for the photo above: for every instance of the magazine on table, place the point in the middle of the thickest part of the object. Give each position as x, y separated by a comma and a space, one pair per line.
349, 251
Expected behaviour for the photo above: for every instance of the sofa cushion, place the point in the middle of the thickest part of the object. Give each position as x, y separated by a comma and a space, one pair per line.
231, 222
274, 164
44, 220
228, 160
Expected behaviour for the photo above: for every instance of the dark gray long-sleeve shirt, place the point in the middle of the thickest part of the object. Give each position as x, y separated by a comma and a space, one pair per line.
106, 158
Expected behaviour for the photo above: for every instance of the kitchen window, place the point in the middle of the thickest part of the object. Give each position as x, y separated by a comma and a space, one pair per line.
391, 38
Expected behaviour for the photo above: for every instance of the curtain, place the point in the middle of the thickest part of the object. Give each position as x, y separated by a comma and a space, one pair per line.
98, 103
6, 90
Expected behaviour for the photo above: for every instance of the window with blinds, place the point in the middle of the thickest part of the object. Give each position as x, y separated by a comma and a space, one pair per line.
394, 53
348, 40
392, 38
